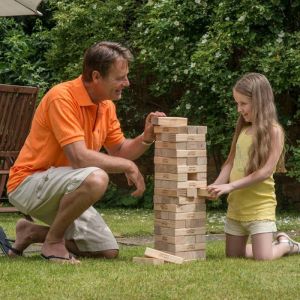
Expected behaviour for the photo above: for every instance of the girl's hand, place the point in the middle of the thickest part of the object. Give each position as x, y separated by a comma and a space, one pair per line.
216, 190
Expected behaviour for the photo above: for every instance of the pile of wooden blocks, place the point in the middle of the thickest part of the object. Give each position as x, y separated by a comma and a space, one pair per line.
180, 190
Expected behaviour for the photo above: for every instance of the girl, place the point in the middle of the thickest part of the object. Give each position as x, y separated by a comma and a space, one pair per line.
247, 175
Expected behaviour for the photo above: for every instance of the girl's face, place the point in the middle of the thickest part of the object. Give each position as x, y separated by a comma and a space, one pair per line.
244, 105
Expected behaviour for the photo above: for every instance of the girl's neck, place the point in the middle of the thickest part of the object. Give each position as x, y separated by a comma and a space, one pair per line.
249, 130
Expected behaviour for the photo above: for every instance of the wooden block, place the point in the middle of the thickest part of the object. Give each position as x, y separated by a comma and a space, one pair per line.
199, 176
169, 121
164, 256
197, 129
170, 161
170, 223
186, 247
165, 129
180, 231
175, 169
180, 137
170, 176
192, 223
148, 260
200, 238
164, 215
179, 208
158, 199
192, 255
178, 240
194, 145
170, 145
202, 192
190, 161
186, 216
170, 192
169, 184
161, 246
179, 153
191, 192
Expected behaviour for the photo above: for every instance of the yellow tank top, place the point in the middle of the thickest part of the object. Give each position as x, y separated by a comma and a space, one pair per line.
256, 202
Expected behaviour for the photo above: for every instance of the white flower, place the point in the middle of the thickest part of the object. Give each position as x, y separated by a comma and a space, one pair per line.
281, 34
119, 8
242, 18
197, 1
176, 23
178, 107
171, 47
185, 71
139, 25
175, 77
203, 41
95, 6
188, 91
193, 65
143, 51
213, 88
176, 38
218, 54
188, 106
279, 40
227, 19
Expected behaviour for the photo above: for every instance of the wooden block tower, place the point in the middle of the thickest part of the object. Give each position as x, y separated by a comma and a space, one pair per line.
180, 173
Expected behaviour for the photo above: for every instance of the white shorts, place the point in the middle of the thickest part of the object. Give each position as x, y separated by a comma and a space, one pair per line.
239, 228
39, 196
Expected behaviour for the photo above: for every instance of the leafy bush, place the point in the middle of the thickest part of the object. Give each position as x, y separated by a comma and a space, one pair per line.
188, 55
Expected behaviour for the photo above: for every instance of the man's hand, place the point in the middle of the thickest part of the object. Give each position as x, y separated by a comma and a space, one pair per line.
149, 135
216, 190
134, 177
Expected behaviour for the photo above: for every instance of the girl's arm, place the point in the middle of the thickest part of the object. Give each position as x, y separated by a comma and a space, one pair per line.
260, 175
221, 179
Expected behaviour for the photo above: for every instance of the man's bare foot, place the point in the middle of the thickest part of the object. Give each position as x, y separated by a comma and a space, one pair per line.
24, 237
57, 252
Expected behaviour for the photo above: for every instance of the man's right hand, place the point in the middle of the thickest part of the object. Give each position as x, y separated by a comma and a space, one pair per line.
134, 177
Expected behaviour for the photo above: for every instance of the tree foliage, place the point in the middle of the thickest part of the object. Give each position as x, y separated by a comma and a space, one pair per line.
188, 55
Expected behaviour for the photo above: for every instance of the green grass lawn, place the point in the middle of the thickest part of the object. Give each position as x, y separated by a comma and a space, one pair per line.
215, 278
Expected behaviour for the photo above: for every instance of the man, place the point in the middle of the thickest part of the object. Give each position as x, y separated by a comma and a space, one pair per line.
60, 172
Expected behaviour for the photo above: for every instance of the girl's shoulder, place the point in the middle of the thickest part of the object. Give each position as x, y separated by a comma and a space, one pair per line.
277, 132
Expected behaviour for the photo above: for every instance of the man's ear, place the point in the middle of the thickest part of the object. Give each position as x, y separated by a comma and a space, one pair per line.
96, 76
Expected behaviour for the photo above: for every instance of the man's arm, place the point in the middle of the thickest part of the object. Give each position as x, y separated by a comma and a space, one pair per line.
134, 148
80, 157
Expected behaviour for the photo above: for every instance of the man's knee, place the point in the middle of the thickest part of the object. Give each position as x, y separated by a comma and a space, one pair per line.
96, 183
110, 254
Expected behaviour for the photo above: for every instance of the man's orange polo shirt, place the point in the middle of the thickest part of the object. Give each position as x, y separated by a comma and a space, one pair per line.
65, 115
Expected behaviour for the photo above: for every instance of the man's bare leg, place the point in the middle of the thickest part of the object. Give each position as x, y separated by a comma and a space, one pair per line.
28, 233
71, 206
111, 253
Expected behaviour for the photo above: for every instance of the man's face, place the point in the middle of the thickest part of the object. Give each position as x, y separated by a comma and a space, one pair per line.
111, 86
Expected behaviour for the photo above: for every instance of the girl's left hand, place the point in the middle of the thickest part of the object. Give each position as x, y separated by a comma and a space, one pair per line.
216, 190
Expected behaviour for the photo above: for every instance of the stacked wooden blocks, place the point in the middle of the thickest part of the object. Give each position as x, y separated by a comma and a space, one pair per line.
180, 173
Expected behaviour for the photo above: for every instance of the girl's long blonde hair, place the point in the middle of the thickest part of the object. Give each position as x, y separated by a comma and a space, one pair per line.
257, 87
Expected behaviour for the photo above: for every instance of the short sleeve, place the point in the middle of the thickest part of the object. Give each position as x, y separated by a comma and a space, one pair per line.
114, 133
64, 122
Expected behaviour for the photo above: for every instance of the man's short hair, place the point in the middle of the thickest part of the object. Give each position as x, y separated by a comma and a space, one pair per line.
101, 56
